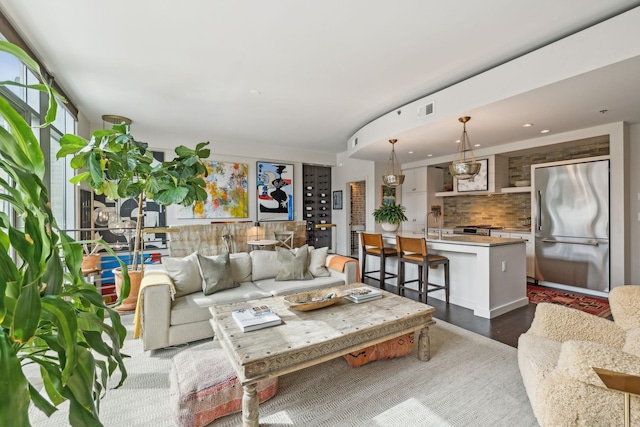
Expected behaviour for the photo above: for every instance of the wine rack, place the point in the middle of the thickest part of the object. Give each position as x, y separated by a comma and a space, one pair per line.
316, 209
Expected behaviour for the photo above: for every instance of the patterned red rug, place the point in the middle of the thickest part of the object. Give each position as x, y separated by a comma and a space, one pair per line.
589, 304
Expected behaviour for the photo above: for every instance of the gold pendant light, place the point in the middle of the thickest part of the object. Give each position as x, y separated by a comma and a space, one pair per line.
393, 175
461, 167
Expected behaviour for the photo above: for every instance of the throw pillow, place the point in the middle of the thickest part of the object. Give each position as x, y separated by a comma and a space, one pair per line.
185, 273
318, 261
292, 266
216, 273
264, 265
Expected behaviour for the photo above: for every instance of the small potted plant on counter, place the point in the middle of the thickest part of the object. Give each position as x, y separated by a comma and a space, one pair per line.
390, 216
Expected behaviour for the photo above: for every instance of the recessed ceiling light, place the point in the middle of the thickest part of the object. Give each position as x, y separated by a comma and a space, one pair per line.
254, 92
544, 131
457, 141
410, 152
527, 125
429, 155
476, 145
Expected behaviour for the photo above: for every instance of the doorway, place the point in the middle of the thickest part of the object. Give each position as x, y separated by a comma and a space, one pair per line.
358, 213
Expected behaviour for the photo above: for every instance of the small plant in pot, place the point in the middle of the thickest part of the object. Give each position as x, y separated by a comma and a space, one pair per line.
390, 216
115, 164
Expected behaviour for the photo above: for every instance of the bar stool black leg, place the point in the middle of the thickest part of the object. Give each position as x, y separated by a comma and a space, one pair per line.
383, 273
446, 280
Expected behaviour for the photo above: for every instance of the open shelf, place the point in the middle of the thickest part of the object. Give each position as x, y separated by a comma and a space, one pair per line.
516, 189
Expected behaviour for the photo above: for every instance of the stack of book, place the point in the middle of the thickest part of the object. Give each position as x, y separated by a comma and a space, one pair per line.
253, 318
363, 294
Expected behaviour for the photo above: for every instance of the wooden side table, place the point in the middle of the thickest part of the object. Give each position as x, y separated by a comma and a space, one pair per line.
626, 383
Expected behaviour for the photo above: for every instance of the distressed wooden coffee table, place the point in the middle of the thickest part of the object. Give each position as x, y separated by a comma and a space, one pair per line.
308, 338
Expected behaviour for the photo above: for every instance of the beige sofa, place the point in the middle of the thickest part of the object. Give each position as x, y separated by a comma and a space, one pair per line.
168, 320
557, 355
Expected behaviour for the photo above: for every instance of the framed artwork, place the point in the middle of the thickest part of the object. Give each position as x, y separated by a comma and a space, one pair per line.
388, 195
480, 182
337, 199
275, 191
227, 193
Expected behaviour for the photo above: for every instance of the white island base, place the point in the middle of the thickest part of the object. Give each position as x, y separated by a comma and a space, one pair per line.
487, 274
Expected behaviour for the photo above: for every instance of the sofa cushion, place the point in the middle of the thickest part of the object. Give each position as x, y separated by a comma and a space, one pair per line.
241, 266
195, 307
216, 273
317, 262
293, 266
185, 273
277, 287
264, 265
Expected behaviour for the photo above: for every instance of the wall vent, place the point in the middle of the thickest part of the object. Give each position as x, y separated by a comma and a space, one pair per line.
354, 143
426, 110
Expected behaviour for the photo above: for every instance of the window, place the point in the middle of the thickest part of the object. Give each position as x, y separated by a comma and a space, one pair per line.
32, 105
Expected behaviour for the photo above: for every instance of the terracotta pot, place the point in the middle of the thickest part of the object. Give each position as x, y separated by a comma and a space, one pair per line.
90, 263
135, 277
389, 227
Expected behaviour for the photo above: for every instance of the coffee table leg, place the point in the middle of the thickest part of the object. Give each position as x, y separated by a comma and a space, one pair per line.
423, 345
250, 417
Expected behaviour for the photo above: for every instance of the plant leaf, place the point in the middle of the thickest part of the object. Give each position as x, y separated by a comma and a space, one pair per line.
14, 392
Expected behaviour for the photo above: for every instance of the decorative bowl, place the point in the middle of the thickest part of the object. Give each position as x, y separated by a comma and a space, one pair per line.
313, 300
523, 183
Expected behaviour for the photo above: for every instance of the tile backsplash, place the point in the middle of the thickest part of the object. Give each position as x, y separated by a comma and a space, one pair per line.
508, 210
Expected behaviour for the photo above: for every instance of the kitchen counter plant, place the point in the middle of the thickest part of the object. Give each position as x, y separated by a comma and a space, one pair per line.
117, 165
49, 315
390, 216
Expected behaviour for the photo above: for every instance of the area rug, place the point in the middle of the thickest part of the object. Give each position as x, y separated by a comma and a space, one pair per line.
592, 305
470, 380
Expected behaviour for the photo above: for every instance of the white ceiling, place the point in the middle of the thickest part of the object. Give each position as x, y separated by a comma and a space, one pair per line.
323, 69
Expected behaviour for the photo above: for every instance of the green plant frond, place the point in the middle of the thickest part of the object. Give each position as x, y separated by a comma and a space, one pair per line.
20, 144
14, 388
63, 316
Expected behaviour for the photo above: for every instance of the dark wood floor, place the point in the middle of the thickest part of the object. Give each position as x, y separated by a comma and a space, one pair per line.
506, 328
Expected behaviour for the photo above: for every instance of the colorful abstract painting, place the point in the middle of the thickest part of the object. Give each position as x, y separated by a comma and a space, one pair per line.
275, 191
227, 190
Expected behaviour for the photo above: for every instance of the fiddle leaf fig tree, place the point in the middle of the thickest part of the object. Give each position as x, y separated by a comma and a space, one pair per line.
49, 316
115, 164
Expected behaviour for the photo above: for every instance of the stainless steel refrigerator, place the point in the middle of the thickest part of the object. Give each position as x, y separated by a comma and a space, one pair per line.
571, 224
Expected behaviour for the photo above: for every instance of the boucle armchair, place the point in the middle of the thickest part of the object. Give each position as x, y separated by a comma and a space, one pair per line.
557, 355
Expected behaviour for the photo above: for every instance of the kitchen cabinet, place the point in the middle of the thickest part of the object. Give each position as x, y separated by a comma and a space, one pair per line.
415, 180
416, 210
529, 246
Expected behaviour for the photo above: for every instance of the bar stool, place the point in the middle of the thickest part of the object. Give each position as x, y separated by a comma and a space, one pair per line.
372, 244
414, 251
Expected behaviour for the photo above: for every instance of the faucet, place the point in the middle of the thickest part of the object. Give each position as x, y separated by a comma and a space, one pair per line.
436, 216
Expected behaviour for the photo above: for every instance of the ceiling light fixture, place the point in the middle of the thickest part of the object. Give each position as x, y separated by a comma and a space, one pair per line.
393, 175
527, 125
115, 119
544, 131
462, 168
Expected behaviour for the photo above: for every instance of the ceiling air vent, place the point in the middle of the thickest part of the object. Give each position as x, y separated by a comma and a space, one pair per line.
425, 110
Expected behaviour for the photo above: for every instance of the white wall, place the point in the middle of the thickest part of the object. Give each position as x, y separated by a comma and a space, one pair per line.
633, 231
346, 171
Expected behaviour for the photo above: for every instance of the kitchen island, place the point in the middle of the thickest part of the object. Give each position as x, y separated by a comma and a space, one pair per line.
487, 274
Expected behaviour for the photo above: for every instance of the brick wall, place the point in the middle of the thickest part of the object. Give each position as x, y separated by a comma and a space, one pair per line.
511, 209
358, 205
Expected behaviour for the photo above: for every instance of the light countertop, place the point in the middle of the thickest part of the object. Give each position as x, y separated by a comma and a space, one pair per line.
454, 239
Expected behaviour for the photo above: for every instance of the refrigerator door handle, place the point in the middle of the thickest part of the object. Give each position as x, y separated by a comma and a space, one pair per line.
539, 216
588, 243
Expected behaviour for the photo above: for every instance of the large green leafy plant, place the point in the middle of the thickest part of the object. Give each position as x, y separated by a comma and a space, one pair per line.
390, 213
49, 315
117, 165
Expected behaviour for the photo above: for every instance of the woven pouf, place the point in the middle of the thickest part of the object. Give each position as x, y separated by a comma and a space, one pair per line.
396, 347
204, 386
